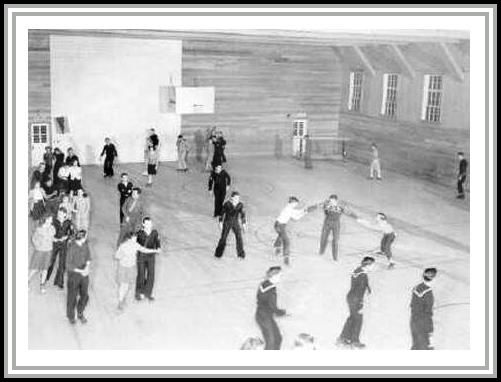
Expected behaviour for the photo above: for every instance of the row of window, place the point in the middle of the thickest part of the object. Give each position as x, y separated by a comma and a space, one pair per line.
432, 95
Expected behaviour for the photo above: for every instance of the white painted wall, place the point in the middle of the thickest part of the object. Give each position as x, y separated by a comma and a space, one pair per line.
110, 87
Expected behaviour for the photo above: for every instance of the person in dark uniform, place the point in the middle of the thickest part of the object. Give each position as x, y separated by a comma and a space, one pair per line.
78, 264
219, 183
463, 167
332, 223
219, 146
233, 211
422, 311
58, 156
148, 238
307, 152
267, 309
47, 158
125, 189
71, 157
64, 229
350, 335
110, 153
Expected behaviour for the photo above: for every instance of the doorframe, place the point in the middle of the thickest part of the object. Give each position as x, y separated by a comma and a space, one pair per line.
30, 138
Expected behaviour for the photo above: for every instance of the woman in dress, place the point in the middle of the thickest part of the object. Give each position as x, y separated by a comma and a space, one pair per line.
81, 210
152, 165
42, 241
37, 201
182, 153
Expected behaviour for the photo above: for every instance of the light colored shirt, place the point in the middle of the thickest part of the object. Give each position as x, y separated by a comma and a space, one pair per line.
288, 213
43, 237
375, 153
63, 172
126, 253
75, 172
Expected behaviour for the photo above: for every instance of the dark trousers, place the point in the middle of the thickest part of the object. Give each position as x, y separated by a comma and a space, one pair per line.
235, 227
386, 243
353, 324
327, 228
63, 185
420, 336
282, 239
108, 166
78, 294
219, 196
145, 274
58, 250
122, 201
461, 181
75, 184
271, 333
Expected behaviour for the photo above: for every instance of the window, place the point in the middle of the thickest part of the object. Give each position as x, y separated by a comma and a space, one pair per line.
389, 104
432, 98
39, 133
355, 95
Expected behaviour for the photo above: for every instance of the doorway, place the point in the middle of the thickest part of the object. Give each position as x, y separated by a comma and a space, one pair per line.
39, 140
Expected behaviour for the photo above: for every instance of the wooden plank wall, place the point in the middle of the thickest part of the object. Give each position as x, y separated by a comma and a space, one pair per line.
258, 86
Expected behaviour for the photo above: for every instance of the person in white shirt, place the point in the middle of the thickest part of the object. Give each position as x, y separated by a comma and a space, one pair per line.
375, 163
75, 176
388, 238
63, 176
127, 273
289, 212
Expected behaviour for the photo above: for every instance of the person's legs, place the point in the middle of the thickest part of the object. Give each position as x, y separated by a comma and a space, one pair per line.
123, 290
378, 168
267, 331
71, 300
277, 337
219, 196
83, 289
31, 274
150, 275
222, 241
278, 241
335, 241
59, 280
372, 169
240, 243
323, 237
386, 243
55, 252
461, 182
286, 243
140, 280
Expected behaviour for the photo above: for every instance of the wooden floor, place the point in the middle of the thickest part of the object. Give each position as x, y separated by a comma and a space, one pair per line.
203, 303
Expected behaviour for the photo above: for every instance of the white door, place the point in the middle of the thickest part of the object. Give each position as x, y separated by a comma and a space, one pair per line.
299, 130
39, 140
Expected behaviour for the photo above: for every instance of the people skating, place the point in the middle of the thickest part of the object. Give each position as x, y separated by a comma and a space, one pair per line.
332, 223
182, 153
78, 265
219, 184
81, 210
148, 238
382, 225
422, 311
153, 161
125, 190
110, 153
133, 211
42, 239
375, 167
233, 214
267, 309
64, 229
350, 336
461, 175
127, 256
290, 211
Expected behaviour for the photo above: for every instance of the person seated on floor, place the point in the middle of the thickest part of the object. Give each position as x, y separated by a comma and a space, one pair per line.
304, 341
253, 343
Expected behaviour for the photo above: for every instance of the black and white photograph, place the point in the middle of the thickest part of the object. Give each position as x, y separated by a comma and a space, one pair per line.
185, 187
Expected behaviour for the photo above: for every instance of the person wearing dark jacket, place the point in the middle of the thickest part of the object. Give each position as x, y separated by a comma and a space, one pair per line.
125, 190
219, 183
71, 157
422, 311
267, 309
219, 147
463, 167
110, 153
58, 163
350, 335
233, 212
